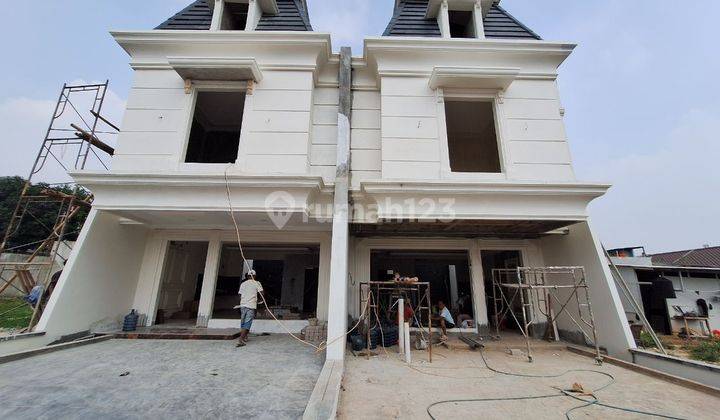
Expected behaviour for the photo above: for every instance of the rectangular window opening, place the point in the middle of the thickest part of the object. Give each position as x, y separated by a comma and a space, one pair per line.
461, 24
215, 132
234, 16
472, 138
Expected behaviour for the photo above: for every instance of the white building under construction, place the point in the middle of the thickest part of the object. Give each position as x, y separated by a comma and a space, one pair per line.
437, 152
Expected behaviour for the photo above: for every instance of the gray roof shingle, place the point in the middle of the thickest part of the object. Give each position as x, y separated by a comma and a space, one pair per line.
292, 16
702, 257
409, 20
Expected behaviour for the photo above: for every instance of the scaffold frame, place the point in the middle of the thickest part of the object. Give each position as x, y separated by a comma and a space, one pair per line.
83, 136
531, 286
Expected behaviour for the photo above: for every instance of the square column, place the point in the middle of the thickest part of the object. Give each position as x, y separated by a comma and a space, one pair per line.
207, 293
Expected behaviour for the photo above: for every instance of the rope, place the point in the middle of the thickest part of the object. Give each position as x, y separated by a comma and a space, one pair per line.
323, 345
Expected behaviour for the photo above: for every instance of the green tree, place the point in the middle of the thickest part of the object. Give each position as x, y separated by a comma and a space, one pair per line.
39, 218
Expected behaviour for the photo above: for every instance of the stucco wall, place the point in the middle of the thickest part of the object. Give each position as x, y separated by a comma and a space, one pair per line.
580, 248
532, 139
99, 282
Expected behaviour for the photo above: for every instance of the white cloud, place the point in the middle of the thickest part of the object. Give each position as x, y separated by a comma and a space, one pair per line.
667, 196
24, 122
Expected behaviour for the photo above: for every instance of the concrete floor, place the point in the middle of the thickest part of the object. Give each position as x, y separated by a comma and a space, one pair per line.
386, 388
270, 378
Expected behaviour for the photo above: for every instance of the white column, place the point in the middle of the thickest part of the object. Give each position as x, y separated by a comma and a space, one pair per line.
254, 15
218, 8
452, 271
478, 20
207, 293
337, 302
444, 20
478, 287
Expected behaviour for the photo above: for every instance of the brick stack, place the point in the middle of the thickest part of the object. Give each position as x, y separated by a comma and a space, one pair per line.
315, 334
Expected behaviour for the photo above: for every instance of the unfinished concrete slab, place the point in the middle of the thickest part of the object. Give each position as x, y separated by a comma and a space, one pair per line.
385, 387
270, 378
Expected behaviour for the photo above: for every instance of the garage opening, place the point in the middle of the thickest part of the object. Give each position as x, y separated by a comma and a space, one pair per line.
500, 260
472, 139
448, 273
216, 126
288, 273
181, 283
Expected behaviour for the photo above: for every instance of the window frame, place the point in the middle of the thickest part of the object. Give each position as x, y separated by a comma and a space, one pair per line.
207, 86
472, 95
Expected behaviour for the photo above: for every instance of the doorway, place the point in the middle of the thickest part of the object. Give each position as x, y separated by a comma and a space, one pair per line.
287, 272
181, 283
502, 259
655, 290
448, 273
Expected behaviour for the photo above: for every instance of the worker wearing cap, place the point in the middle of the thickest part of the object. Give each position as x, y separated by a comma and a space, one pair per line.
249, 290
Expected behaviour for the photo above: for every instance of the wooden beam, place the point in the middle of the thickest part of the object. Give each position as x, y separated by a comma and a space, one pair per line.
93, 140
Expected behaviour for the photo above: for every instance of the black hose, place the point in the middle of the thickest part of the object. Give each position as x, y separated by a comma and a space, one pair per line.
587, 403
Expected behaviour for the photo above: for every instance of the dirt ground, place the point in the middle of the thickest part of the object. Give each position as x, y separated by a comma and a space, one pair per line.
385, 387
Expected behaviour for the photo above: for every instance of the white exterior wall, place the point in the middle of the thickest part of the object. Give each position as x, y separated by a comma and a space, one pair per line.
532, 141
687, 293
275, 135
98, 283
580, 248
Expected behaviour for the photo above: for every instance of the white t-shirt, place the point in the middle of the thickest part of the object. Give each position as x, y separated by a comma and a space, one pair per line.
248, 293
445, 313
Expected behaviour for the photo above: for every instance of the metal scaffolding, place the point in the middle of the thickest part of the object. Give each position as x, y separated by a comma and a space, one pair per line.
537, 289
382, 296
75, 127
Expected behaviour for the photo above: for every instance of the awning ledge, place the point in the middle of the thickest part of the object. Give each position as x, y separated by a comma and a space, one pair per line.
472, 77
216, 69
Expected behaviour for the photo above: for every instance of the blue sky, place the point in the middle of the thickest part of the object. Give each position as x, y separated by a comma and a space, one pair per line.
641, 93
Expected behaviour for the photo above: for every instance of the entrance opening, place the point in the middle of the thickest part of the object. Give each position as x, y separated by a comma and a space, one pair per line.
654, 291
181, 283
461, 24
216, 126
500, 260
234, 16
472, 138
288, 274
448, 273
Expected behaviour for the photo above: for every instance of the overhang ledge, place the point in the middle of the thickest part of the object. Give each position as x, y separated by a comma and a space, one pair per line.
216, 68
472, 77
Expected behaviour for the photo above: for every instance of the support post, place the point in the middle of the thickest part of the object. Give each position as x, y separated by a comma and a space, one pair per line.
444, 19
337, 303
401, 326
207, 293
478, 20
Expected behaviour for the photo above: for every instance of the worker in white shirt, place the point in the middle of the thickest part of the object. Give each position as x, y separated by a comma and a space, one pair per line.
445, 318
249, 290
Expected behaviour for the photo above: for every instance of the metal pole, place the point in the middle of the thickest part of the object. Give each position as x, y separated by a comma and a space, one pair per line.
626, 291
524, 313
598, 356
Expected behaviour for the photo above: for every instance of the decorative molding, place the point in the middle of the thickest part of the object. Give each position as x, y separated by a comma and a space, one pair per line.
216, 68
472, 77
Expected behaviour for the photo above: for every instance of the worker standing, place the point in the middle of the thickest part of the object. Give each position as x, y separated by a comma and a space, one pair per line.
248, 292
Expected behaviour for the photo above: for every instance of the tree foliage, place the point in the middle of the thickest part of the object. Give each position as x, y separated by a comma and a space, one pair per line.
39, 217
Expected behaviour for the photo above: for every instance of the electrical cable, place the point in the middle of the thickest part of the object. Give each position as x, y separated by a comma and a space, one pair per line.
562, 393
318, 348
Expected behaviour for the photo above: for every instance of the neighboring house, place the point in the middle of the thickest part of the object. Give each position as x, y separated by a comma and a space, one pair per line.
458, 163
671, 284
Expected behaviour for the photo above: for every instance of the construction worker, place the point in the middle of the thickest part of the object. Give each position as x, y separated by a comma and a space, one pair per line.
249, 290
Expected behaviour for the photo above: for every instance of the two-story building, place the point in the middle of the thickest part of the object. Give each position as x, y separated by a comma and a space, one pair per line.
445, 138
